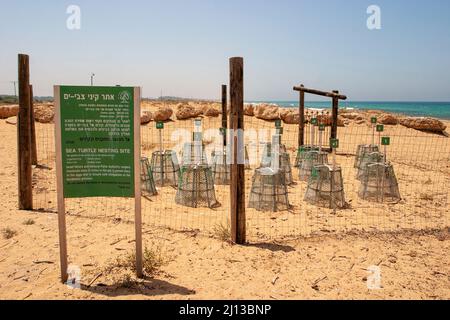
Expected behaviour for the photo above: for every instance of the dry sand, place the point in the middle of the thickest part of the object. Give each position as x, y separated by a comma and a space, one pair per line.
302, 254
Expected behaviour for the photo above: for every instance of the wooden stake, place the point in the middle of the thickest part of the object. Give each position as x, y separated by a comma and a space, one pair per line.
34, 160
137, 182
60, 188
224, 113
24, 136
334, 115
301, 124
237, 188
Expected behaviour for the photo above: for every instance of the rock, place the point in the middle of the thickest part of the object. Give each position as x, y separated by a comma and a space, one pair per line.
211, 112
424, 124
249, 110
44, 113
186, 111
326, 119
146, 117
267, 112
290, 116
8, 111
162, 114
351, 116
388, 119
11, 120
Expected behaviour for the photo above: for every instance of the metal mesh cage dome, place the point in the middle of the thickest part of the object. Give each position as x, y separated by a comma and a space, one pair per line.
269, 191
194, 154
147, 181
284, 161
311, 159
301, 154
196, 187
362, 150
165, 168
326, 187
366, 159
220, 168
379, 183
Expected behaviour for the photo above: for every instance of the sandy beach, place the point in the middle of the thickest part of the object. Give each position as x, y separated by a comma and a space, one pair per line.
306, 252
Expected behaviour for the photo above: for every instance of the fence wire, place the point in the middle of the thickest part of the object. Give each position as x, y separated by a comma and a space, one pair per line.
421, 162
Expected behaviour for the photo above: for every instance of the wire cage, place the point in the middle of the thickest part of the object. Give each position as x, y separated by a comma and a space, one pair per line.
301, 153
194, 154
196, 187
220, 168
326, 187
269, 191
379, 183
284, 161
311, 159
147, 182
165, 168
362, 150
366, 159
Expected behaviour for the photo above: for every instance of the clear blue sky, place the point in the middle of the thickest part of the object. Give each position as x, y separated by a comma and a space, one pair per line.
182, 47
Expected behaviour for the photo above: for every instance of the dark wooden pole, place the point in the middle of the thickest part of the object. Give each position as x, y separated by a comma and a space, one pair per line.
24, 136
224, 113
301, 124
33, 130
237, 188
334, 115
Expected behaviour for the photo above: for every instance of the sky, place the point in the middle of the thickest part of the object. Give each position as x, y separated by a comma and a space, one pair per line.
182, 47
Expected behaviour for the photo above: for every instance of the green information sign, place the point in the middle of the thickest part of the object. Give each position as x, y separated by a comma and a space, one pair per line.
385, 141
380, 128
322, 127
97, 141
314, 121
334, 143
373, 120
160, 125
278, 123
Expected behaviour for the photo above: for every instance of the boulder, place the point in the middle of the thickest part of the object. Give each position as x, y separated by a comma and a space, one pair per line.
424, 124
8, 111
187, 111
388, 119
267, 112
162, 114
211, 112
326, 119
11, 120
249, 110
351, 116
290, 116
146, 117
44, 113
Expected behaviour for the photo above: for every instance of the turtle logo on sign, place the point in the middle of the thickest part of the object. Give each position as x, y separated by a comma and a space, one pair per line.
124, 97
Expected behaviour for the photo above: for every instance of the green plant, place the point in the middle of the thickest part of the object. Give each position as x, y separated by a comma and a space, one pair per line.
8, 233
29, 222
222, 232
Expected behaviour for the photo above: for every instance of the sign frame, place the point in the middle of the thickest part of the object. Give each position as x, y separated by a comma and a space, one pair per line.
60, 183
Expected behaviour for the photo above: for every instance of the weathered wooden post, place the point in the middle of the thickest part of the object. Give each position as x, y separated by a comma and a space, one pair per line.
301, 124
334, 114
237, 188
24, 136
33, 130
224, 114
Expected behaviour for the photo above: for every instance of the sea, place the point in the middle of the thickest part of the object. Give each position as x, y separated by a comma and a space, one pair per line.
417, 109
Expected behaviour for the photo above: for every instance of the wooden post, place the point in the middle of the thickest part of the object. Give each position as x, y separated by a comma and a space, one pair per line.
33, 130
60, 188
237, 188
24, 136
334, 115
301, 124
137, 182
224, 113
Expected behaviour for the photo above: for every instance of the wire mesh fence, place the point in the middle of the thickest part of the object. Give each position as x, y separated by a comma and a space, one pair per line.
421, 162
